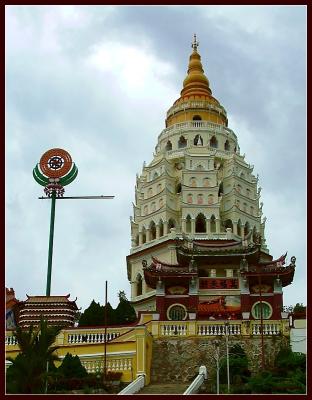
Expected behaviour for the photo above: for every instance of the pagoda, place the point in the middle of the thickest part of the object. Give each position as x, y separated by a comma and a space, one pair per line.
56, 310
198, 231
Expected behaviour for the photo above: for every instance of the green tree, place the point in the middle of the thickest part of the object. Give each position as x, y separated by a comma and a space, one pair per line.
28, 372
94, 315
238, 366
71, 367
288, 375
124, 312
299, 307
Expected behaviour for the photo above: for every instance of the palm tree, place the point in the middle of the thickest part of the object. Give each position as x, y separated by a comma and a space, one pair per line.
28, 372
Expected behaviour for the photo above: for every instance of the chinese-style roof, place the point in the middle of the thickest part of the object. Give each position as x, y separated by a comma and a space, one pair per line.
172, 273
274, 268
217, 251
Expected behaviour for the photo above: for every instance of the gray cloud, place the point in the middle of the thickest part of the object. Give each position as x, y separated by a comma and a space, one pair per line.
72, 82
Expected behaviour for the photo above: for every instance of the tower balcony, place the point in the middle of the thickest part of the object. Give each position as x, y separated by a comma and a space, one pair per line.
196, 126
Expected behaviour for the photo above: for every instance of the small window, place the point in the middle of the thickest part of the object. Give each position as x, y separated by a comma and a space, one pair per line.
200, 199
198, 141
190, 198
139, 285
193, 182
197, 118
227, 145
213, 142
182, 142
168, 146
177, 312
266, 310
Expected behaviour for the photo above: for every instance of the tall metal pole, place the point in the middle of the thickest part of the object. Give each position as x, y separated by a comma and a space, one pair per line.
48, 291
261, 324
105, 330
227, 355
217, 359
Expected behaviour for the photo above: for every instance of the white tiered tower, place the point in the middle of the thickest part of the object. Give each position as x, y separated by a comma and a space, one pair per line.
198, 184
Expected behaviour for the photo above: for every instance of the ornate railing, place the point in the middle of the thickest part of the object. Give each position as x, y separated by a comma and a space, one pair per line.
119, 364
173, 329
216, 329
269, 328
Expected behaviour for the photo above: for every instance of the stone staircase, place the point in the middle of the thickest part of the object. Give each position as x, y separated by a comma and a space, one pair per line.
165, 388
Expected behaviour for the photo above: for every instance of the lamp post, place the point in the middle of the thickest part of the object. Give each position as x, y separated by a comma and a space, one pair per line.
217, 358
227, 355
54, 171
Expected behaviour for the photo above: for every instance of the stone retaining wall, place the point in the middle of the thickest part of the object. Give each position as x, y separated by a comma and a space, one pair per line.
178, 360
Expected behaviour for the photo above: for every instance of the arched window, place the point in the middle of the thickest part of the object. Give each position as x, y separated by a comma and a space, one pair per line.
159, 188
213, 142
213, 224
171, 224
254, 234
200, 223
248, 192
155, 175
161, 202
238, 188
168, 146
182, 142
228, 224
242, 175
139, 285
251, 210
245, 207
190, 198
227, 145
238, 204
210, 199
178, 188
239, 228
220, 192
161, 228
198, 140
153, 207
197, 118
246, 229
188, 224
150, 192
145, 211
143, 235
263, 306
177, 312
152, 230
200, 199
206, 182
193, 182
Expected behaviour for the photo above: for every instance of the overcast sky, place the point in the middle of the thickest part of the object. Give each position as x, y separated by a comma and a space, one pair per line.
97, 81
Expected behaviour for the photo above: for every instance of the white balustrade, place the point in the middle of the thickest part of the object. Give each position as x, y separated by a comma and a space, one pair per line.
268, 329
217, 329
135, 386
10, 340
173, 330
74, 338
117, 364
198, 381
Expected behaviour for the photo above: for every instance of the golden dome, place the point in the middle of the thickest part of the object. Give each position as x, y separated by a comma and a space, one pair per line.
196, 88
196, 82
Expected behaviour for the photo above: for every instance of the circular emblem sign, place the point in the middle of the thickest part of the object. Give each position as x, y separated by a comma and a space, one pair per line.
55, 163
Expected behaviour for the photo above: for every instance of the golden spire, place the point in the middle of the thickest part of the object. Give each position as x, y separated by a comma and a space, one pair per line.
196, 83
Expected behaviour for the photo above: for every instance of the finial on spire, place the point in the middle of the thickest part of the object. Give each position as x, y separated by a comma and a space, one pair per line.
195, 44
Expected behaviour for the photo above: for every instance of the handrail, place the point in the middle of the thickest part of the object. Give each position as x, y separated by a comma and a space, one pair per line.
198, 381
135, 386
